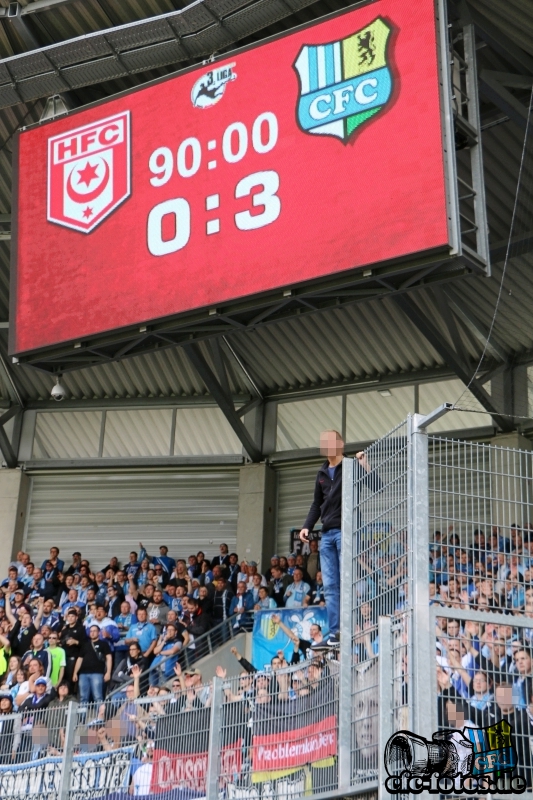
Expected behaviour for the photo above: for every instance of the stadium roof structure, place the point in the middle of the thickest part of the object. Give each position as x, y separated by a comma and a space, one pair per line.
90, 49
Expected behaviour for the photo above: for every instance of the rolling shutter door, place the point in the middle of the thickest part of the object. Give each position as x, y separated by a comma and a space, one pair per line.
295, 493
104, 515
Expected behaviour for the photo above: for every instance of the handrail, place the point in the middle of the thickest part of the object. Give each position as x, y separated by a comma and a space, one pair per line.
197, 648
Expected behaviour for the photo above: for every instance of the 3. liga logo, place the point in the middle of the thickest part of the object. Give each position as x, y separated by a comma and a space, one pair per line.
346, 83
89, 172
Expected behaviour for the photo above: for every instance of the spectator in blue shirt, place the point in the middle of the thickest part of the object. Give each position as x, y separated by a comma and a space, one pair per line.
240, 604
57, 562
72, 602
143, 632
163, 558
108, 629
133, 565
124, 621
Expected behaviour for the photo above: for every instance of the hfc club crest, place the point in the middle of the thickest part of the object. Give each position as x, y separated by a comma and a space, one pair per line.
343, 84
89, 172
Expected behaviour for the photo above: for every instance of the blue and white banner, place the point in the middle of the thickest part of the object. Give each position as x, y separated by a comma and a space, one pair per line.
268, 637
92, 775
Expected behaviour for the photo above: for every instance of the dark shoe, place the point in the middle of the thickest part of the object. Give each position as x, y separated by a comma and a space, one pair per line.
333, 640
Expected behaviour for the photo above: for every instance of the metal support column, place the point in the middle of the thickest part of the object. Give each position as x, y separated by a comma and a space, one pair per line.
385, 700
346, 627
421, 651
211, 779
68, 751
476, 156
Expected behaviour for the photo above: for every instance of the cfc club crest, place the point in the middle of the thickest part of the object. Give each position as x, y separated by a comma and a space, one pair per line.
343, 84
89, 172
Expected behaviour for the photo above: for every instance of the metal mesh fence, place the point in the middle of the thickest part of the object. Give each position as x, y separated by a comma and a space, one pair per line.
484, 689
379, 515
279, 731
481, 525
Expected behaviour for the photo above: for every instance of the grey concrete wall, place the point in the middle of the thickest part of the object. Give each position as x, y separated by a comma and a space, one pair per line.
14, 488
257, 507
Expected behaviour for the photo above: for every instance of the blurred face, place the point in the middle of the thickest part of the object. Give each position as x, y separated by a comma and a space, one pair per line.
158, 597
263, 594
134, 650
257, 580
48, 607
37, 641
94, 632
62, 690
125, 607
241, 587
141, 614
100, 613
34, 667
504, 698
314, 630
331, 444
298, 575
202, 592
53, 640
25, 620
72, 595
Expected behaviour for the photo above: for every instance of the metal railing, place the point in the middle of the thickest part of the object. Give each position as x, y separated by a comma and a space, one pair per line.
198, 647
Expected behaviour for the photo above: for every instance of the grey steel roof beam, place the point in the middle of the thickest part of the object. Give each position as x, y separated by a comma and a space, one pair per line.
502, 98
198, 30
434, 337
14, 16
223, 400
10, 457
45, 5
499, 42
477, 329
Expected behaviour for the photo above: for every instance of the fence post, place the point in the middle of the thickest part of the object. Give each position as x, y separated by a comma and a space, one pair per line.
422, 686
212, 777
68, 751
385, 699
346, 627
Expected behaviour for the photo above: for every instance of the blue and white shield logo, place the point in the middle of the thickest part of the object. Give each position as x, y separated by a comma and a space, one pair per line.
343, 84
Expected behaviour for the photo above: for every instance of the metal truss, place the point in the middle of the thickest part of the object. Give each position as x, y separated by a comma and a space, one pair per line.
250, 313
201, 29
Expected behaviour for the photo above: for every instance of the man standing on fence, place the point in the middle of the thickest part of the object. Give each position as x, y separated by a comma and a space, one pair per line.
326, 505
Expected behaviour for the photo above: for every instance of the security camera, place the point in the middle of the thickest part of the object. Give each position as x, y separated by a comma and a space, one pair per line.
58, 391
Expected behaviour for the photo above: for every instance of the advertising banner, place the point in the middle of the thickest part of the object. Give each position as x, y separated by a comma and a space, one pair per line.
313, 154
268, 637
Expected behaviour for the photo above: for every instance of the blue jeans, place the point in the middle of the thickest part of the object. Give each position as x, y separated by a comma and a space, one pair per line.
330, 559
91, 687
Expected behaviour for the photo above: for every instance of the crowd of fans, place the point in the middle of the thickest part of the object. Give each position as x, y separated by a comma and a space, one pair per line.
86, 632
118, 635
484, 669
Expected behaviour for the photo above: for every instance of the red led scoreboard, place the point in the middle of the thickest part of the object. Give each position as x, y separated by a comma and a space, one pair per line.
313, 154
